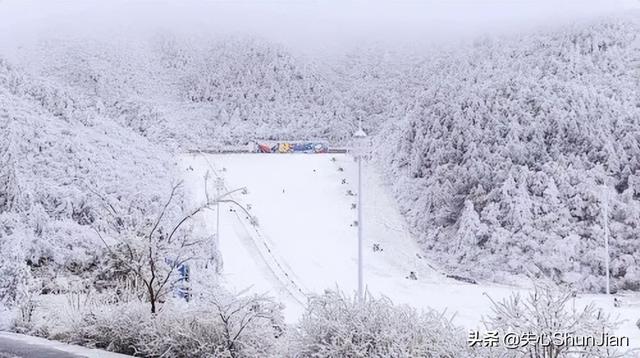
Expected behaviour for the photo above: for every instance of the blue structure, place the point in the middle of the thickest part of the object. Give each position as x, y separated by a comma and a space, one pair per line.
181, 287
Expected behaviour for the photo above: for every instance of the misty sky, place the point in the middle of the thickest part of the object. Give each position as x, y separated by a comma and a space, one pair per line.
304, 24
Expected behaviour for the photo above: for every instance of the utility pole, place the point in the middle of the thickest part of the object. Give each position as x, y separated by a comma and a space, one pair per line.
360, 138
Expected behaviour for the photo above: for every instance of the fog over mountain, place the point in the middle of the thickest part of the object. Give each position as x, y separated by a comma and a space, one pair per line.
308, 25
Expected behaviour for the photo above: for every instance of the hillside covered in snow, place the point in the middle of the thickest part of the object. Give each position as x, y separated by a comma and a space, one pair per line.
505, 159
497, 149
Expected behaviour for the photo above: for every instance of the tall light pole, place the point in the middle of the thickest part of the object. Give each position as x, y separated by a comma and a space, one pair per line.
219, 188
220, 198
359, 139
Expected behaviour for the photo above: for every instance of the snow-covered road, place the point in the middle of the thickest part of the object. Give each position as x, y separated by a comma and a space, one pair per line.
14, 345
13, 349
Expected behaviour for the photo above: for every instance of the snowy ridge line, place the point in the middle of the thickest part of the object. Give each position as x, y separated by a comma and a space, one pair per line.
287, 280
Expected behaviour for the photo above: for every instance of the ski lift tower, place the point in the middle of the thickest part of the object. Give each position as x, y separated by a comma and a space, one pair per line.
359, 151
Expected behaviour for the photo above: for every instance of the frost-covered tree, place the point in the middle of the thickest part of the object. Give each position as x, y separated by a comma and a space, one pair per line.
527, 130
546, 319
152, 246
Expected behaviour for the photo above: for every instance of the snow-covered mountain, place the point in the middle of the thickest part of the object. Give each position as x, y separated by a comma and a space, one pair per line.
500, 160
496, 148
65, 166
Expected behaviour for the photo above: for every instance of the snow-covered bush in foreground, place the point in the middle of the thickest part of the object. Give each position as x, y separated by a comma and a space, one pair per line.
220, 325
14, 272
7, 317
548, 312
335, 325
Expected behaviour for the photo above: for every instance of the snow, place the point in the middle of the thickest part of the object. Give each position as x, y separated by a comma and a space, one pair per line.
305, 217
106, 115
52, 346
496, 150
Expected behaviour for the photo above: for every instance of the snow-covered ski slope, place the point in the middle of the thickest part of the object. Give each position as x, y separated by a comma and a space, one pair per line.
306, 239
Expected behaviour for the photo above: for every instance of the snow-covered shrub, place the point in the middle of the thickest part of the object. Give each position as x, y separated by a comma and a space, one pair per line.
335, 325
7, 317
250, 324
120, 327
14, 272
548, 313
18, 288
215, 324
25, 293
26, 308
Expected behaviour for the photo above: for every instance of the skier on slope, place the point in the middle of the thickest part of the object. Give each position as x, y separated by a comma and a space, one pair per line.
618, 303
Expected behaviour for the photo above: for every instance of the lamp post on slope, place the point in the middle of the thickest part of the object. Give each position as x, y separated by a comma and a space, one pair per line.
219, 188
359, 151
220, 198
